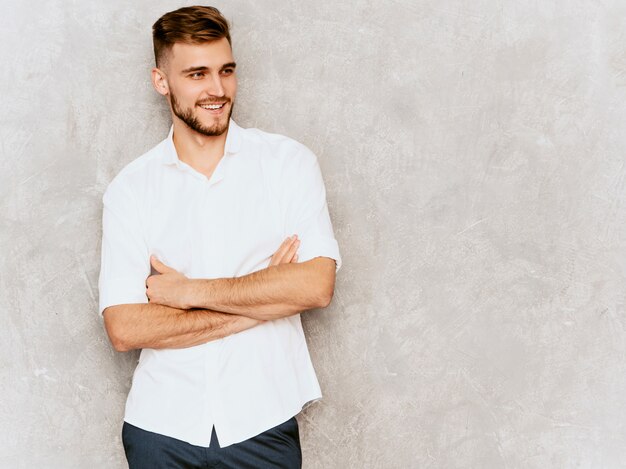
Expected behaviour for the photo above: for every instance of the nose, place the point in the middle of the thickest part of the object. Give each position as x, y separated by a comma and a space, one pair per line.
215, 87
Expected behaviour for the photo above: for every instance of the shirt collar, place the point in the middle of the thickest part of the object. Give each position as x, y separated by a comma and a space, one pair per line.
232, 145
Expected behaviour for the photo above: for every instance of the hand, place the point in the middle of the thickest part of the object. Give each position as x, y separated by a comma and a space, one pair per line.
169, 287
286, 252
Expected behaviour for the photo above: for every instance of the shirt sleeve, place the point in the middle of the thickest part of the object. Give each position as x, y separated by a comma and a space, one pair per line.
307, 210
125, 261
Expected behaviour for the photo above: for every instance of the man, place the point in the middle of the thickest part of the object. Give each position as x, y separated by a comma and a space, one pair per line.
224, 366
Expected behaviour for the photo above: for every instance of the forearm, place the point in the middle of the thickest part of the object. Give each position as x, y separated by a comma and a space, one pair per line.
135, 326
270, 293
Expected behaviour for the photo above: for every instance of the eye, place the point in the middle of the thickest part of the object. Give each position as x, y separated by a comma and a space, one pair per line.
197, 75
227, 71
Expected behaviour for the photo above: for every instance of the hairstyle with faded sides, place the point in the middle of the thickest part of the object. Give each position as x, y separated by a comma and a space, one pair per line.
189, 25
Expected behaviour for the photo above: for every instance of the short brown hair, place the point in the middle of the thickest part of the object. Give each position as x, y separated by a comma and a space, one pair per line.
190, 25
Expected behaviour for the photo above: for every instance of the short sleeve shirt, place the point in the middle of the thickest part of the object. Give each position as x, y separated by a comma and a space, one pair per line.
266, 187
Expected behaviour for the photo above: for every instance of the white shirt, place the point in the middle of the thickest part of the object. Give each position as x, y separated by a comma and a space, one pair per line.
266, 187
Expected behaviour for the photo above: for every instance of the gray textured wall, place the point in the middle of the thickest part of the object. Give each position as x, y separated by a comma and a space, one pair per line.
473, 154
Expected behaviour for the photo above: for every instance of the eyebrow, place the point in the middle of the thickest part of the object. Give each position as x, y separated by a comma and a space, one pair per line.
203, 68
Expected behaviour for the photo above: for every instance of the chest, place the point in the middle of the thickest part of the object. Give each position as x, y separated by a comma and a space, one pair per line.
205, 230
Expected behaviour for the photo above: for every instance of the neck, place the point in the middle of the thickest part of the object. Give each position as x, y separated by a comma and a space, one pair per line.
200, 152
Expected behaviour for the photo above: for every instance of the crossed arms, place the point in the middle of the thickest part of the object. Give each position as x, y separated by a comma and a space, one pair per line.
185, 312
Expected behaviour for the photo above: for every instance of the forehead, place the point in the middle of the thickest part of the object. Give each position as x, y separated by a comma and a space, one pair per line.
212, 54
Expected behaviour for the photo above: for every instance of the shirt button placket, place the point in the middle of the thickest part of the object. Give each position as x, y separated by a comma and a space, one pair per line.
211, 352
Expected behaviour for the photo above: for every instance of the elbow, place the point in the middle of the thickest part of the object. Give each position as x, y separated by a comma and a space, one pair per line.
323, 303
325, 298
325, 271
114, 331
119, 345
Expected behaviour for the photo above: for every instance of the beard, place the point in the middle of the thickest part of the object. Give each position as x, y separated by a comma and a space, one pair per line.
192, 121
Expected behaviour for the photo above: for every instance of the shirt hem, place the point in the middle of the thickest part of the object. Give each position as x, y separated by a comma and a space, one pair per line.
227, 438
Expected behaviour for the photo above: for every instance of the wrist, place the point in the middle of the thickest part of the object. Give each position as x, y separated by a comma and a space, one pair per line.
189, 294
196, 293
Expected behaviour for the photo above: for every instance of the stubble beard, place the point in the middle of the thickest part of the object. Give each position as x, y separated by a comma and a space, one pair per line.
192, 121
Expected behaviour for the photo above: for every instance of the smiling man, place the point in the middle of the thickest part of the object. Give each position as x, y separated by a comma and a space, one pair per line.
213, 242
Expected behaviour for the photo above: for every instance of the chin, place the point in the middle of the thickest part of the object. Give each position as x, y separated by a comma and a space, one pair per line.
216, 128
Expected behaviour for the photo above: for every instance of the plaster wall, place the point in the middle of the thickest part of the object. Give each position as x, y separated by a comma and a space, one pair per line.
473, 154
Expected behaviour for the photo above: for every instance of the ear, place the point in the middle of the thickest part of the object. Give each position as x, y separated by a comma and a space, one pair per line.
159, 81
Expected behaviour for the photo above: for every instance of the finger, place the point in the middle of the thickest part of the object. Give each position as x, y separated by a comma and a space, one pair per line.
290, 250
295, 259
159, 266
282, 250
293, 249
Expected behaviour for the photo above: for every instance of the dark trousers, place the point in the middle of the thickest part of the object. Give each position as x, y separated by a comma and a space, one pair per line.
278, 447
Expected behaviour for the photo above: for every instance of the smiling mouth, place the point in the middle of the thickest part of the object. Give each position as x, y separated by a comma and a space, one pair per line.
212, 107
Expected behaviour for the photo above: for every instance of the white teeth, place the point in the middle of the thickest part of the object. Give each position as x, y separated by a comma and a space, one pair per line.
212, 106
